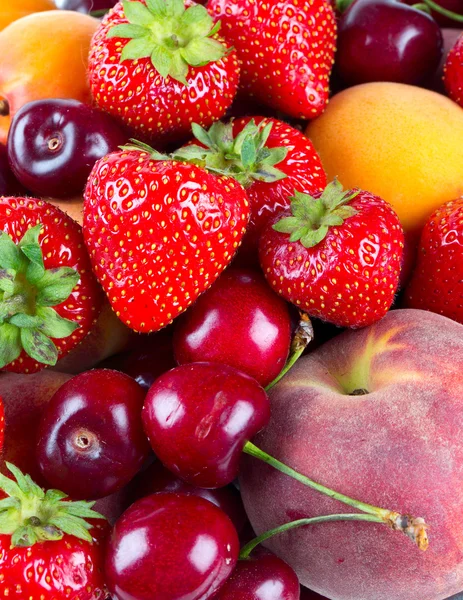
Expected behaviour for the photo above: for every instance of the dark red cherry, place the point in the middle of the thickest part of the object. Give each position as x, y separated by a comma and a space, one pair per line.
159, 479
9, 185
238, 322
261, 577
198, 418
53, 145
91, 439
307, 594
170, 547
152, 357
85, 6
386, 40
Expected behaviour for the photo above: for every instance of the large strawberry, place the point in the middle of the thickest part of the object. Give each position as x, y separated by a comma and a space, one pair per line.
48, 549
159, 233
159, 65
286, 48
49, 298
453, 72
337, 257
437, 282
268, 157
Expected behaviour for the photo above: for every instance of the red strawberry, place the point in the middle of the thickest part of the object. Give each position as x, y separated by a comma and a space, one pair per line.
268, 157
453, 72
49, 298
159, 233
48, 551
337, 257
159, 65
437, 282
286, 48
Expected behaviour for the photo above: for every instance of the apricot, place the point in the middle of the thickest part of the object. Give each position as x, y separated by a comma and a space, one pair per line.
400, 142
43, 55
12, 10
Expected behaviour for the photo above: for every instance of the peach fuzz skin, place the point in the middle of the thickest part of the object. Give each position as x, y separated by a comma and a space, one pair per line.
398, 447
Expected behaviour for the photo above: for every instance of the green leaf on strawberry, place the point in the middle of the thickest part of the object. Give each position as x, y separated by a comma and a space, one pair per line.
174, 37
28, 293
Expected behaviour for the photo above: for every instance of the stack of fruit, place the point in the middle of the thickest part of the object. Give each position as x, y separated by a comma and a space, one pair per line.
231, 300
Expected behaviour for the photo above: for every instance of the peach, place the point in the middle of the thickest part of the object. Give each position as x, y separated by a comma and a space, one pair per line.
44, 55
12, 10
398, 446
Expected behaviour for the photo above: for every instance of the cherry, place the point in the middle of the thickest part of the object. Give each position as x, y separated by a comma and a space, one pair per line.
159, 479
386, 40
9, 185
170, 547
261, 577
307, 594
85, 6
91, 440
238, 322
53, 145
198, 418
145, 363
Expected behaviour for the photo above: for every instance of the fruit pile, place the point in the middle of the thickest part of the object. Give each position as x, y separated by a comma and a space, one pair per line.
231, 300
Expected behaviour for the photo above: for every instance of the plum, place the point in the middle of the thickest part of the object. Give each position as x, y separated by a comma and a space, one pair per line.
376, 414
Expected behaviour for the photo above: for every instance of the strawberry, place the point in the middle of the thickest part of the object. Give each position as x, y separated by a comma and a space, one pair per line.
286, 48
268, 157
159, 65
48, 551
49, 298
437, 282
159, 233
337, 256
453, 72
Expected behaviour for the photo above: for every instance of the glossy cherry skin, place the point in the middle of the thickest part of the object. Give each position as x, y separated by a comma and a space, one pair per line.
261, 577
198, 417
53, 145
170, 547
156, 478
385, 40
238, 322
91, 439
85, 6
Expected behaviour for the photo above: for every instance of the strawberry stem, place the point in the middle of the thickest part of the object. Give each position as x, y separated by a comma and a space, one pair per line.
250, 546
302, 338
414, 528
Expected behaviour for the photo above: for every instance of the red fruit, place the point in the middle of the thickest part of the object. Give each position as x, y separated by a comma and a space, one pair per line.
170, 547
437, 282
198, 418
47, 550
453, 72
49, 298
286, 48
160, 67
239, 322
159, 233
268, 157
2, 425
341, 260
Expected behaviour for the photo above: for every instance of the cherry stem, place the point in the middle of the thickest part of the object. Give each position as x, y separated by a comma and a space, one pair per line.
443, 11
4, 108
99, 13
302, 338
249, 547
414, 528
423, 7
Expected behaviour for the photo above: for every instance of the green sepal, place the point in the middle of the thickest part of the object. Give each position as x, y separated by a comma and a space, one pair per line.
31, 515
10, 344
174, 37
245, 157
56, 286
30, 247
39, 347
312, 217
7, 279
10, 255
24, 321
53, 325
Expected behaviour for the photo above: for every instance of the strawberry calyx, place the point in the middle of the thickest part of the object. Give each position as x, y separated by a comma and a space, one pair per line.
174, 37
312, 217
31, 515
245, 157
28, 293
